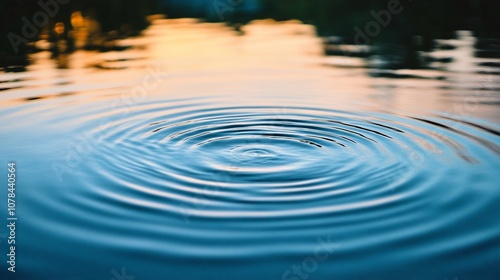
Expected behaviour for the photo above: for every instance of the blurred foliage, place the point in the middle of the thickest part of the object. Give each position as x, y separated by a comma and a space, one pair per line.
424, 18
419, 17
117, 17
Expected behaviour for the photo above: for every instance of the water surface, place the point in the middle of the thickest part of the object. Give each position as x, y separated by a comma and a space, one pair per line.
203, 154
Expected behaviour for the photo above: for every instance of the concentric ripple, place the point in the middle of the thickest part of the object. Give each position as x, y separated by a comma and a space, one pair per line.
194, 180
248, 162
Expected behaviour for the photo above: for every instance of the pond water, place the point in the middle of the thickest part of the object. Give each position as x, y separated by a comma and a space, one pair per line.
202, 153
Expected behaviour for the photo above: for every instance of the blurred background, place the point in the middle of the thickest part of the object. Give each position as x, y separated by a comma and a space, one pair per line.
95, 25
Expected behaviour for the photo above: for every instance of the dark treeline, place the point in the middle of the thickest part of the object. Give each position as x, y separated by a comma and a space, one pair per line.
431, 19
339, 17
425, 18
22, 21
398, 29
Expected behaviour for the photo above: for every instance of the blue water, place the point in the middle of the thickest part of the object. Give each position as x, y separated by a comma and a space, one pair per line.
231, 171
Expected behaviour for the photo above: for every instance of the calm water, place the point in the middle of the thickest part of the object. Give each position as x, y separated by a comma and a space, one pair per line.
202, 154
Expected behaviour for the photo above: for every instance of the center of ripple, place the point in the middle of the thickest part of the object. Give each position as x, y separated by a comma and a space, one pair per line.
256, 156
257, 153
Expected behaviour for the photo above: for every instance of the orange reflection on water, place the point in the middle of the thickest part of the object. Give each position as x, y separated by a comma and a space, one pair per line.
268, 62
